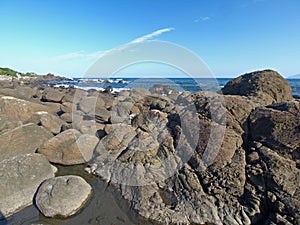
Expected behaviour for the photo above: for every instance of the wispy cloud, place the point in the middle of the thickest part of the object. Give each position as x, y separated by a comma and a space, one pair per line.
97, 54
138, 40
152, 35
78, 55
71, 55
205, 18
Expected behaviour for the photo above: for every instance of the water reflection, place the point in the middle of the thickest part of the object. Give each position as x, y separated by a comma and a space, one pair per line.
102, 207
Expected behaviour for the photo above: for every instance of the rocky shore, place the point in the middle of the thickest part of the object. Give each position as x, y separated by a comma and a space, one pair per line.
166, 157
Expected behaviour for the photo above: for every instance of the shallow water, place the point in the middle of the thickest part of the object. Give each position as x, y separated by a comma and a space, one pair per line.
102, 207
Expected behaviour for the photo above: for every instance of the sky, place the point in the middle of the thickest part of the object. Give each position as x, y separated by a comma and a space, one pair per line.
231, 37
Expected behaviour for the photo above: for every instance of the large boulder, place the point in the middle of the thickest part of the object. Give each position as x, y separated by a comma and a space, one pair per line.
52, 95
265, 86
117, 140
14, 109
94, 107
5, 82
230, 110
6, 125
62, 196
276, 182
67, 107
69, 148
90, 103
274, 162
277, 126
22, 140
87, 126
75, 116
164, 167
20, 91
51, 122
102, 115
185, 165
20, 178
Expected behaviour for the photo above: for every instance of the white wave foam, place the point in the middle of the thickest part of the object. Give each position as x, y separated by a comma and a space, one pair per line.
115, 90
99, 80
62, 85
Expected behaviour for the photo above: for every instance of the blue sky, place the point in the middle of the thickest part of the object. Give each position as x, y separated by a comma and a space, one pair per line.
232, 37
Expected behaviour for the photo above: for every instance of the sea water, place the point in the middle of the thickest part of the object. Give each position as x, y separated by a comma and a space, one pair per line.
179, 84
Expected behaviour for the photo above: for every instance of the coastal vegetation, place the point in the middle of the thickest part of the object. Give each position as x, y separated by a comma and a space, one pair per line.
12, 73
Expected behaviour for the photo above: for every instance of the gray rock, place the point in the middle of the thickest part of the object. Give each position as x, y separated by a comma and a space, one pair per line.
102, 115
22, 140
14, 109
67, 117
75, 116
50, 122
67, 107
149, 149
107, 98
94, 107
69, 148
265, 86
186, 158
161, 89
62, 196
86, 126
283, 181
20, 91
116, 141
52, 95
88, 104
75, 95
53, 107
141, 91
6, 125
6, 83
121, 111
20, 178
277, 126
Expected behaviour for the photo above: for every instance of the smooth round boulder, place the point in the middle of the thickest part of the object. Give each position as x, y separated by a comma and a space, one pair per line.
266, 86
69, 148
52, 95
62, 196
24, 139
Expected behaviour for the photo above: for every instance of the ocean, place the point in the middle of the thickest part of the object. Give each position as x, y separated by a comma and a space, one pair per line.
180, 84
